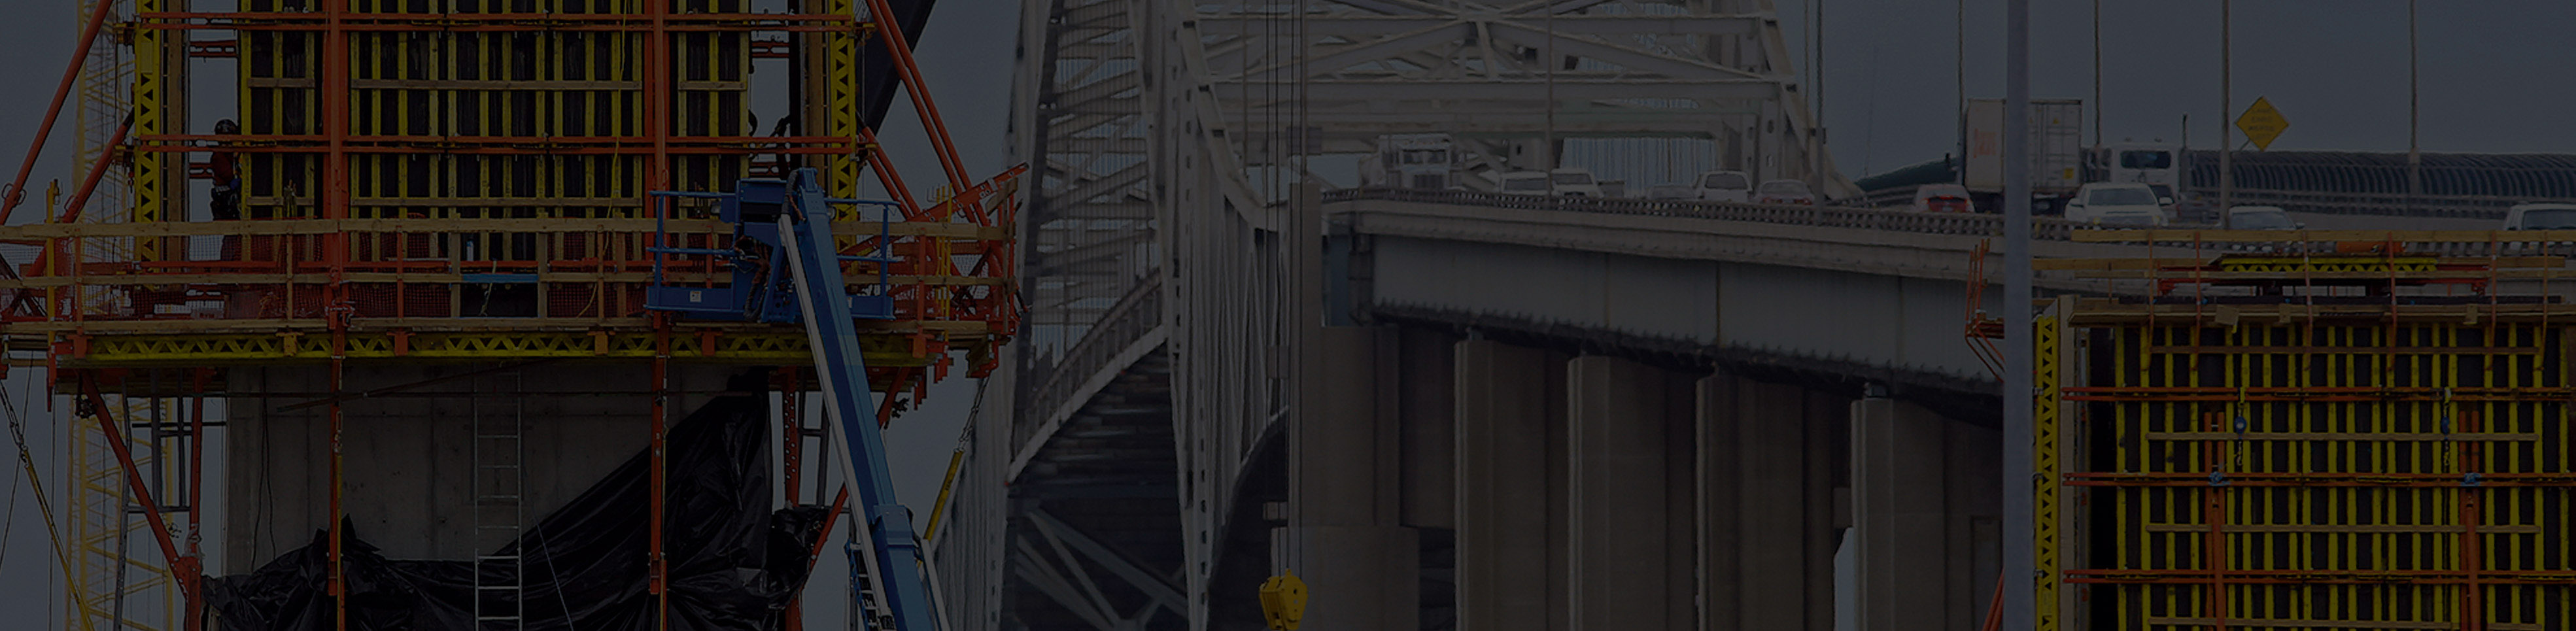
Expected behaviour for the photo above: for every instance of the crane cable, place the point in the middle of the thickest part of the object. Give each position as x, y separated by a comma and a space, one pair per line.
27, 461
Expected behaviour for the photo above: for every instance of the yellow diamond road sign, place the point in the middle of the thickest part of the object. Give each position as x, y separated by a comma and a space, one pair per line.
2262, 123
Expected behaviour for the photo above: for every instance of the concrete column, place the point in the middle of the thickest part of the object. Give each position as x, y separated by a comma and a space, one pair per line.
1718, 493
1923, 509
1504, 405
1621, 545
1897, 501
1426, 380
1345, 536
1769, 467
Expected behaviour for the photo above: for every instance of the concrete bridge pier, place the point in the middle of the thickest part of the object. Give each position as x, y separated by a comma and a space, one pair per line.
1771, 481
1925, 536
1599, 492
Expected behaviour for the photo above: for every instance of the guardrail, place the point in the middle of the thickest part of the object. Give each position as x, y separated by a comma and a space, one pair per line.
1135, 315
1964, 224
2391, 204
2445, 243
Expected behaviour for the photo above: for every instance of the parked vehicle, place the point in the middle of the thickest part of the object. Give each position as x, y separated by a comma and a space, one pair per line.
1670, 192
2540, 217
1575, 182
1783, 192
1724, 186
2262, 218
2142, 163
2165, 199
1415, 161
2115, 204
2056, 150
1942, 198
1524, 183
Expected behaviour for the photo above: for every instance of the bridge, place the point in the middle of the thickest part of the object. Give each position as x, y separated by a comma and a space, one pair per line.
1463, 410
1792, 383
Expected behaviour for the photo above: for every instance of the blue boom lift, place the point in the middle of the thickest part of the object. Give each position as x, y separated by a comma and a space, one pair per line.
786, 269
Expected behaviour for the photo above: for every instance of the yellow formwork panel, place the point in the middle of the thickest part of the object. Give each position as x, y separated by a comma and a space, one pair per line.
2045, 525
2316, 474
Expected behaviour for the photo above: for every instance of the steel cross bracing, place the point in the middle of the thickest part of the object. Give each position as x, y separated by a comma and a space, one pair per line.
1172, 142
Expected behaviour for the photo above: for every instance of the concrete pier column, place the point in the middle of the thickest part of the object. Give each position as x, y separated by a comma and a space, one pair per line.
1897, 499
1923, 511
1506, 405
1770, 468
1628, 558
1345, 536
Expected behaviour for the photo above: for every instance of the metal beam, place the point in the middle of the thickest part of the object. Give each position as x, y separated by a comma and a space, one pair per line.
1625, 57
1033, 568
1108, 558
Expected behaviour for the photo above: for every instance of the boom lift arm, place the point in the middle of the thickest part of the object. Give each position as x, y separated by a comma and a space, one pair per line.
798, 278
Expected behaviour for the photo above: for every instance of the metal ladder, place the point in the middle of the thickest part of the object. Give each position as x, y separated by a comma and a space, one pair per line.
500, 511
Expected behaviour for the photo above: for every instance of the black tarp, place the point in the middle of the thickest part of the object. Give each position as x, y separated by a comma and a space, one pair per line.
876, 67
734, 563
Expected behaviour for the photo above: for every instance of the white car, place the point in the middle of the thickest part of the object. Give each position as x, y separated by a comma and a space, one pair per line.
1525, 183
2261, 218
1575, 182
2540, 217
2116, 204
1724, 186
1783, 192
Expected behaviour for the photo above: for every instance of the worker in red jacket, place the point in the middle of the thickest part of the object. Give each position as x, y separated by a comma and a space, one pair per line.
227, 199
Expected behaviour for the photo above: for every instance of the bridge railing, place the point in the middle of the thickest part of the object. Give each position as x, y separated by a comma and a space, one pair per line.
1963, 224
1135, 315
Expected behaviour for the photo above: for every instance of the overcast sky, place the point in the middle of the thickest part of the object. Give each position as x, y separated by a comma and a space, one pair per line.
2494, 73
2494, 77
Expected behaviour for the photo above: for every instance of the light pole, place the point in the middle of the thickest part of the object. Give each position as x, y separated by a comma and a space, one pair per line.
2226, 103
2414, 155
2019, 569
1959, 88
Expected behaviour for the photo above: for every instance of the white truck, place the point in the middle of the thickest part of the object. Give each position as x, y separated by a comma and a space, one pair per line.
2056, 151
1414, 161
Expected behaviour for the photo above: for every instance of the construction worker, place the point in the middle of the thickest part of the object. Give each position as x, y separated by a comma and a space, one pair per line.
226, 204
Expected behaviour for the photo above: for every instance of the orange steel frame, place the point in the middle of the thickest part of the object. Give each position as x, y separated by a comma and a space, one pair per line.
334, 22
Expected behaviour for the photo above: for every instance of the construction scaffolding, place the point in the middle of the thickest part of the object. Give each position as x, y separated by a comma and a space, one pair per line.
444, 182
2309, 431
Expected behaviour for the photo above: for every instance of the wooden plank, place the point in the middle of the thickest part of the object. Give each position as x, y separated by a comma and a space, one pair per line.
2335, 436
437, 226
429, 278
2073, 264
2360, 350
2169, 235
2328, 624
2347, 528
2294, 276
96, 328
